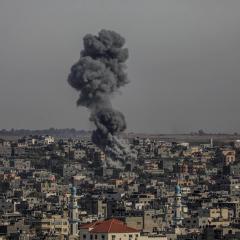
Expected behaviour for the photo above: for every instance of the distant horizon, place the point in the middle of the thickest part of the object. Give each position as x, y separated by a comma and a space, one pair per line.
198, 132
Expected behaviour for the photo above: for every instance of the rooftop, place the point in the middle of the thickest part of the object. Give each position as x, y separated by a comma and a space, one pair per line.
109, 226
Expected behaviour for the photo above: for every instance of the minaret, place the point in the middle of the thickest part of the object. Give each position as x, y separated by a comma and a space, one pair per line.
211, 143
178, 207
73, 213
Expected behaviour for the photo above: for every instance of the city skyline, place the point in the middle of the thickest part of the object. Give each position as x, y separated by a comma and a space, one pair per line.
119, 120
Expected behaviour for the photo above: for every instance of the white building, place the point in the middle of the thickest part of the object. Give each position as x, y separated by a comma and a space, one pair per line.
48, 140
112, 229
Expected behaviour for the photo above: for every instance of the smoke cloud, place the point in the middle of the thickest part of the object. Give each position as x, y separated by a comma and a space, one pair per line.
98, 74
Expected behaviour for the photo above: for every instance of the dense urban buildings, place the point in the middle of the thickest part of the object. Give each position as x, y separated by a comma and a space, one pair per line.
59, 188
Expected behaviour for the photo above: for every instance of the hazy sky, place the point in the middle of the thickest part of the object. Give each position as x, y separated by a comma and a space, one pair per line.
184, 63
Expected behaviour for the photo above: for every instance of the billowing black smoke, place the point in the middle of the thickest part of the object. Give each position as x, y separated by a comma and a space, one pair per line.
98, 74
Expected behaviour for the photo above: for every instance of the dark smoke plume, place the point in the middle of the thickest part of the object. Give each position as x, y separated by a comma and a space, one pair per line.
98, 74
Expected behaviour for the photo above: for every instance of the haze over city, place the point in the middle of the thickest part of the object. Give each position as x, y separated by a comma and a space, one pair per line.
183, 64
119, 120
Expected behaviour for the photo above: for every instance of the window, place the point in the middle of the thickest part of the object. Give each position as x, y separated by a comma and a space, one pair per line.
103, 237
84, 236
113, 237
91, 236
95, 236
